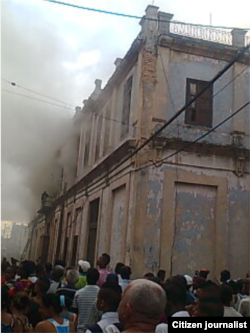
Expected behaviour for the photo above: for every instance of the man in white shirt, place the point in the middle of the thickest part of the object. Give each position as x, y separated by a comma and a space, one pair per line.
176, 301
85, 298
226, 293
244, 306
125, 277
108, 301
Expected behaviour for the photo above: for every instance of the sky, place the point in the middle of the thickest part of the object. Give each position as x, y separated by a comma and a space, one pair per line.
59, 51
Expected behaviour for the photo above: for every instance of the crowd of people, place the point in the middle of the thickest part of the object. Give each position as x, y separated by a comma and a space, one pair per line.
45, 298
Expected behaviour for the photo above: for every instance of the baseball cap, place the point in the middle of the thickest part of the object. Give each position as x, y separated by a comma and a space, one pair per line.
189, 280
85, 265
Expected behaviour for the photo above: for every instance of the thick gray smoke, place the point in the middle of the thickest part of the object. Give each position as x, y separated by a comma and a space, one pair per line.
48, 49
60, 51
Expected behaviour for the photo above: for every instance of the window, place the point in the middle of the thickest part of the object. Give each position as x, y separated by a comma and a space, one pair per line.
87, 143
65, 249
107, 129
74, 250
199, 112
98, 140
126, 106
92, 229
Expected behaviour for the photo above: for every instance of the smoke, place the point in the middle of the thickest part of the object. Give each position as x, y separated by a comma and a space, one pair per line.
60, 51
48, 49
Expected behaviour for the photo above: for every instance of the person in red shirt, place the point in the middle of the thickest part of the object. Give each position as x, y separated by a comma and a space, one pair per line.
23, 284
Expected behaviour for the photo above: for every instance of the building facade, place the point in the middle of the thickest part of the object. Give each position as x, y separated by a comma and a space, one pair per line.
162, 208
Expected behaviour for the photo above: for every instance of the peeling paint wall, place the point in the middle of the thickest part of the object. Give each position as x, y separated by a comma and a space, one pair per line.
194, 238
118, 225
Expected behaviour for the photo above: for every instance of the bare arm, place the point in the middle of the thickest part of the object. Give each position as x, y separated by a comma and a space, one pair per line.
72, 328
44, 327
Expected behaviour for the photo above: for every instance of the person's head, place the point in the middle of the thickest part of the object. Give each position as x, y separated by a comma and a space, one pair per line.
21, 302
57, 273
245, 287
13, 261
239, 284
10, 273
155, 279
208, 289
84, 266
118, 267
109, 297
26, 268
176, 297
148, 275
226, 294
161, 275
92, 276
72, 277
60, 262
50, 306
210, 307
103, 260
197, 281
225, 276
112, 278
40, 270
41, 286
235, 290
204, 273
143, 302
125, 272
4, 265
179, 279
48, 267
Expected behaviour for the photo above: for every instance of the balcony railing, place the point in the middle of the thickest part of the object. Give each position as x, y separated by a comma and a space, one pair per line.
204, 33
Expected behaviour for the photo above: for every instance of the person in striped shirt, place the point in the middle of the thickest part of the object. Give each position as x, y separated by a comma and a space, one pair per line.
85, 298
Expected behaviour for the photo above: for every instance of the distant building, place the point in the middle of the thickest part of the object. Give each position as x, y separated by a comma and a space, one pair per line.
180, 214
14, 245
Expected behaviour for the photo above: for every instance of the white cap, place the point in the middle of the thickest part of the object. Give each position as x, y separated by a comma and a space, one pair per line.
85, 265
189, 280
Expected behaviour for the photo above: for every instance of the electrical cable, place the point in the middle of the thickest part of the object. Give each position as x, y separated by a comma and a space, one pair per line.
36, 99
137, 17
36, 92
73, 109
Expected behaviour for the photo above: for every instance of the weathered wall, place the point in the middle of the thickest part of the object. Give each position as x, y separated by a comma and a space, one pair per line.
212, 219
179, 66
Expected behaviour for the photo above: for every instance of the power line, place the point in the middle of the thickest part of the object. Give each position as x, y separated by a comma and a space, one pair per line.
97, 188
36, 92
217, 76
210, 83
137, 17
214, 95
164, 159
36, 99
200, 137
233, 79
61, 106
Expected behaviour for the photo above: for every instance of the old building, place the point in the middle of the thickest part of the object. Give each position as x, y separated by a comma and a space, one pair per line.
162, 209
14, 240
